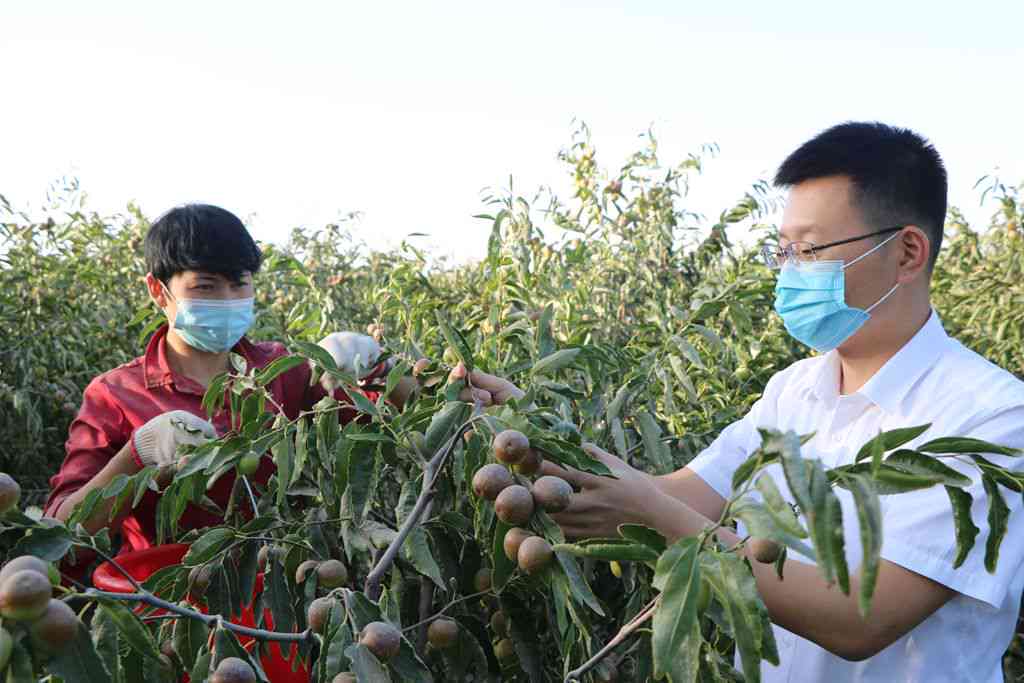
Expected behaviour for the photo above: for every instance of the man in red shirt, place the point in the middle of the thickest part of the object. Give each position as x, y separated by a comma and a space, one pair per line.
201, 262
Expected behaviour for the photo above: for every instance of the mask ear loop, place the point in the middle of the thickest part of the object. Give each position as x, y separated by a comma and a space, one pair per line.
871, 251
884, 297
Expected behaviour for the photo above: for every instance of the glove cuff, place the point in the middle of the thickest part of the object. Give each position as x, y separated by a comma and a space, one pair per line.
144, 446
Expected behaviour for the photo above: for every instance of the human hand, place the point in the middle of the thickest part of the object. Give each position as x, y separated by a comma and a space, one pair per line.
485, 388
349, 349
157, 441
601, 504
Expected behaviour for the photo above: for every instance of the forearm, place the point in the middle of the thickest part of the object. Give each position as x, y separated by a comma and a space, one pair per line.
402, 391
802, 602
121, 463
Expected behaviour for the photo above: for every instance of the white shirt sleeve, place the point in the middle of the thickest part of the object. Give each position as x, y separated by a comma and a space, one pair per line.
716, 463
919, 532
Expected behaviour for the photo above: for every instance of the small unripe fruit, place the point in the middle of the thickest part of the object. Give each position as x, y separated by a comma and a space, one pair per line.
248, 464
504, 650
511, 446
382, 639
765, 550
318, 613
535, 554
233, 670
6, 646
490, 480
303, 569
23, 562
56, 628
199, 579
514, 537
616, 569
529, 465
25, 595
482, 580
442, 633
514, 505
450, 357
10, 492
499, 624
331, 574
552, 493
344, 677
420, 366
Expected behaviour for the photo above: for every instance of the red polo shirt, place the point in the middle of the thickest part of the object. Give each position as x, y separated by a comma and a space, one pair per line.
117, 402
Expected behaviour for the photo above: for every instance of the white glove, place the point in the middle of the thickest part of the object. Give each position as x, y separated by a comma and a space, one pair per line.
157, 441
348, 348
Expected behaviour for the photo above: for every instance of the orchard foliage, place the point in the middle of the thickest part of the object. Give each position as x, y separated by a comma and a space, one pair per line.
629, 321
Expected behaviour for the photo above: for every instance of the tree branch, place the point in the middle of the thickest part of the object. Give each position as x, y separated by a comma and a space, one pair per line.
623, 633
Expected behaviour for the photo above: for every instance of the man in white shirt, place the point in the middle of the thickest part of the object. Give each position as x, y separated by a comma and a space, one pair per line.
859, 237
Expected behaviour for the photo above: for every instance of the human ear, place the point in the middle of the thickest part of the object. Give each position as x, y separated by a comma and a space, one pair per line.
915, 249
156, 291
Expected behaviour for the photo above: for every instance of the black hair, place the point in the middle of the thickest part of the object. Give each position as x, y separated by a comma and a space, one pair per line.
200, 237
897, 175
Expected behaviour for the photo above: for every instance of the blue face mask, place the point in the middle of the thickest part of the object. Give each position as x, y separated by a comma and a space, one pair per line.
811, 298
213, 325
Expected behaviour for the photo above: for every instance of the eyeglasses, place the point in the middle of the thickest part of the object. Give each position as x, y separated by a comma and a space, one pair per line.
807, 252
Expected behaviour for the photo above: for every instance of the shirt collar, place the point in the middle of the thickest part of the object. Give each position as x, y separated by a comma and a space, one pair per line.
891, 383
158, 371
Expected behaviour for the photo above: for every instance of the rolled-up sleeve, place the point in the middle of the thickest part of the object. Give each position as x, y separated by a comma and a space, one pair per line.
920, 532
97, 433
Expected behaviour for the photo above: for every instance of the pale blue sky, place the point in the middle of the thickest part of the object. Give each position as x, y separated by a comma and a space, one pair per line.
296, 112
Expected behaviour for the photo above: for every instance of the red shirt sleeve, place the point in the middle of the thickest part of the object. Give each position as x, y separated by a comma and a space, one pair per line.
97, 433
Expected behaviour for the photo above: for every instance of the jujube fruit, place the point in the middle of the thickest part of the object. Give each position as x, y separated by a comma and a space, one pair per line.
514, 537
514, 505
303, 569
10, 492
318, 613
56, 628
331, 574
529, 465
420, 366
382, 639
765, 550
482, 580
499, 624
248, 464
233, 670
199, 579
24, 595
23, 562
490, 480
511, 446
344, 677
552, 493
504, 650
443, 633
535, 555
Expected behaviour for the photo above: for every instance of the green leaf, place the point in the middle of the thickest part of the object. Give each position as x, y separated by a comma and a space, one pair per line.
207, 546
760, 524
887, 480
277, 367
443, 425
956, 444
837, 541
966, 530
998, 516
578, 585
757, 460
778, 507
869, 516
913, 462
609, 549
50, 544
78, 662
361, 465
131, 629
734, 587
678, 577
889, 440
107, 643
365, 665
502, 567
655, 450
793, 468
455, 340
645, 535
820, 519
555, 362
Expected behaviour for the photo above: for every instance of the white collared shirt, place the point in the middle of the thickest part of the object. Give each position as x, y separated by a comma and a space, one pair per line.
932, 379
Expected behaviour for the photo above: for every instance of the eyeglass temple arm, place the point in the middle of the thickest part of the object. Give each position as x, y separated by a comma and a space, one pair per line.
855, 239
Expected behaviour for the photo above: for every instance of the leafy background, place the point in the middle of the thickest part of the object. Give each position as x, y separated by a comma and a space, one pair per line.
673, 317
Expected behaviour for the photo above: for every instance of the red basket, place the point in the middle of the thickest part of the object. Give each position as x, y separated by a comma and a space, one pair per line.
143, 563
